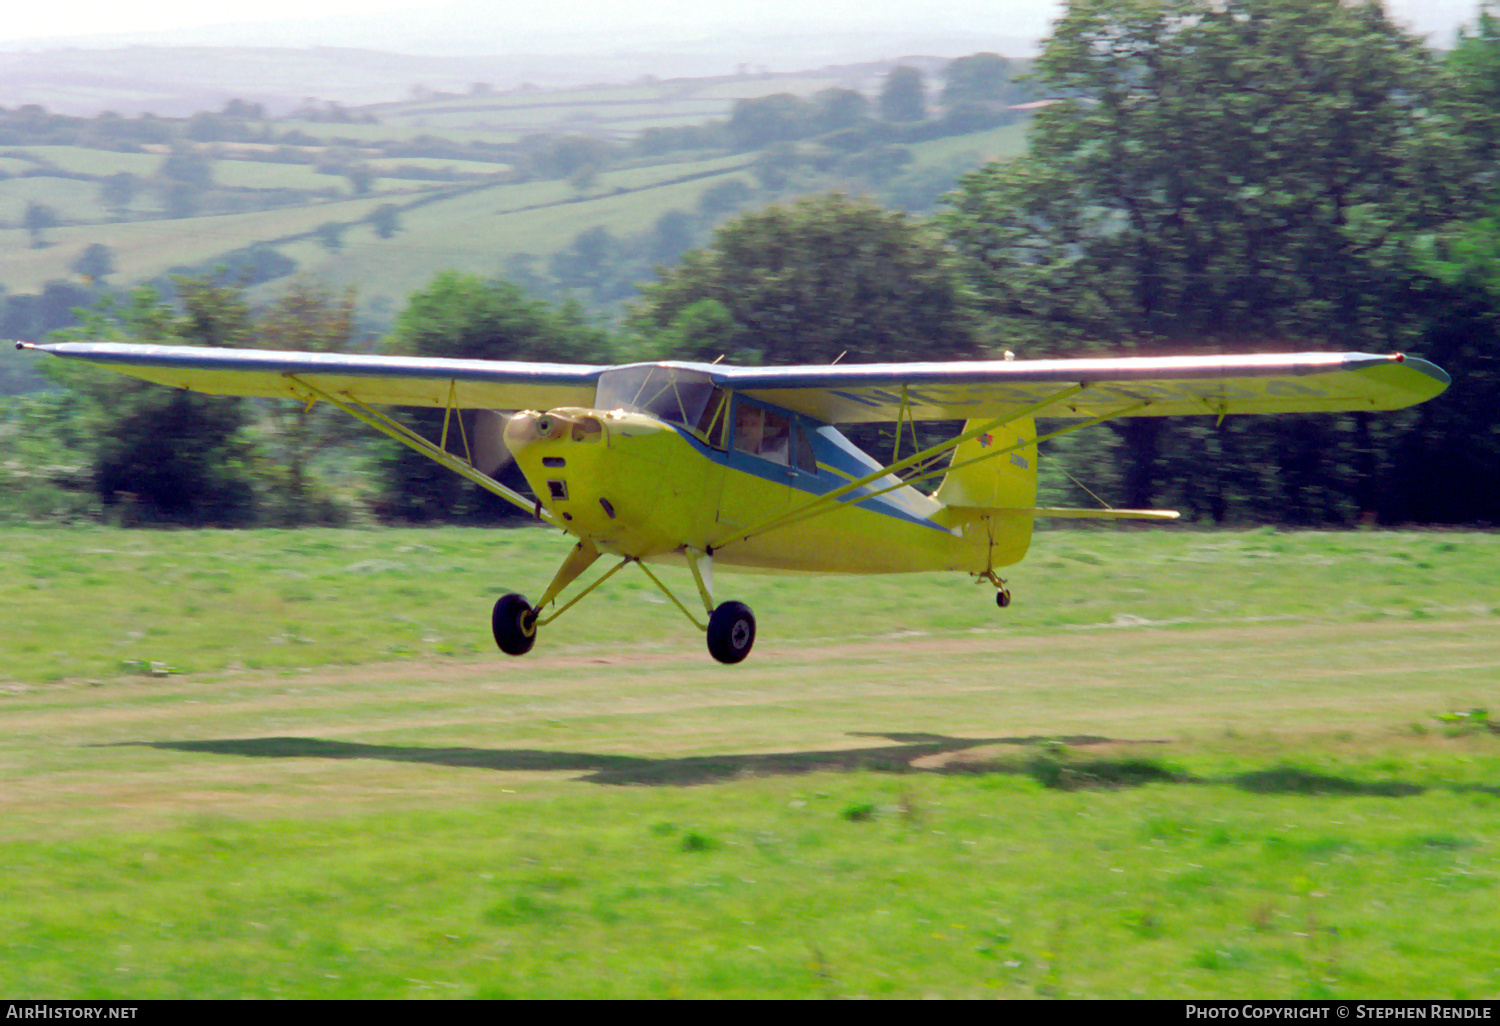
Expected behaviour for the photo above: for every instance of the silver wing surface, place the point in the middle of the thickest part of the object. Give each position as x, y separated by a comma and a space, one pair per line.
1122, 386
390, 380
853, 393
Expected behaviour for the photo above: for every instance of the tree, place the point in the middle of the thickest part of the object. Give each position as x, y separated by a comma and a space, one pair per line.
671, 233
1446, 461
1474, 67
759, 122
462, 315
1216, 174
840, 109
978, 78
584, 177
903, 97
386, 220
243, 110
563, 156
95, 263
165, 455
188, 166
825, 277
182, 179
361, 178
117, 191
723, 197
306, 317
775, 166
331, 235
588, 261
38, 219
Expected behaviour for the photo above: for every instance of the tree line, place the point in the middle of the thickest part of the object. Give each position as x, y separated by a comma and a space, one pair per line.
1207, 177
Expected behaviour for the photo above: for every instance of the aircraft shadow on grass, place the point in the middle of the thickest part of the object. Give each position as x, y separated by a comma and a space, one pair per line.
624, 769
1064, 772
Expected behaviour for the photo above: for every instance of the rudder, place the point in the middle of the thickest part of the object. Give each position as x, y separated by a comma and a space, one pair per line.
1005, 481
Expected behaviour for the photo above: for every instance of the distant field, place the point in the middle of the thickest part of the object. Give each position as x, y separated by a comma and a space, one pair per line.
619, 110
145, 249
95, 162
462, 230
1181, 765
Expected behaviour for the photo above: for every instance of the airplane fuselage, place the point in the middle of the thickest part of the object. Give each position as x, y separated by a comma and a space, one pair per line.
634, 485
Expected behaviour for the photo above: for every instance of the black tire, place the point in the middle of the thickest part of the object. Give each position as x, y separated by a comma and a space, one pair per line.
731, 632
1002, 598
514, 624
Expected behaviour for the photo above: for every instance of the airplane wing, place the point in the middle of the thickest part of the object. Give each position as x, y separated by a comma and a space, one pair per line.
1121, 386
392, 380
852, 393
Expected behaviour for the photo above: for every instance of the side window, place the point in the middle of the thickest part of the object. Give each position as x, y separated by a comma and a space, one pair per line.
805, 458
776, 439
772, 436
762, 433
749, 422
714, 424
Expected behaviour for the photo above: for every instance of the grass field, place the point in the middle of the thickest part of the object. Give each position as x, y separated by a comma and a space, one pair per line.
1181, 764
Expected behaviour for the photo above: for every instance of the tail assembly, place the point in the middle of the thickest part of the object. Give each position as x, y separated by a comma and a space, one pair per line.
990, 490
991, 485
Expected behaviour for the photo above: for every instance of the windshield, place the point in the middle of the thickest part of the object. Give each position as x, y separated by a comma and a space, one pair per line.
676, 396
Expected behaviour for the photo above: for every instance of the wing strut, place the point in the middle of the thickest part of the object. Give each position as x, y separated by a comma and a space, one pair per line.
828, 500
406, 436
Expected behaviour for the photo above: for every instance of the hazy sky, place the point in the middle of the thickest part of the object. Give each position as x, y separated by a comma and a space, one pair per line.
492, 27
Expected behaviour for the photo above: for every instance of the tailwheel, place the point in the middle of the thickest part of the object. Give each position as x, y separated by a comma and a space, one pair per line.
1002, 593
731, 632
514, 624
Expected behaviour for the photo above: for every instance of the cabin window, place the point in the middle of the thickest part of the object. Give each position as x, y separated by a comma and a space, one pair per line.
769, 435
675, 395
805, 458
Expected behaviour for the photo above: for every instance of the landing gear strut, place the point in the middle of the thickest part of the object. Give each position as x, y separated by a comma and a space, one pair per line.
730, 627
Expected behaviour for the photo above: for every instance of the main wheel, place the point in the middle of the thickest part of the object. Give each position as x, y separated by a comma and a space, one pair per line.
1002, 597
514, 624
731, 632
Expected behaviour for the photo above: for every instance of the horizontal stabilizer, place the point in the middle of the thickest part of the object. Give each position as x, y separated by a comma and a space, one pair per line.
1107, 514
957, 515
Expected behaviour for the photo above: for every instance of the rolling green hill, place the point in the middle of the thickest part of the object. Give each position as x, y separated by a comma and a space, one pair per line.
384, 197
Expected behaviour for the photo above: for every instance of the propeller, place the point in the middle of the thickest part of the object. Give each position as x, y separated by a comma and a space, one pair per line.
491, 455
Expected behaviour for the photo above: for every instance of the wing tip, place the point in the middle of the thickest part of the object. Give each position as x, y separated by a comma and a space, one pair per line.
1426, 367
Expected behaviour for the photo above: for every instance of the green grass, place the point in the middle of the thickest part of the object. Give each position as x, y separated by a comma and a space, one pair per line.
954, 886
1182, 764
994, 144
213, 600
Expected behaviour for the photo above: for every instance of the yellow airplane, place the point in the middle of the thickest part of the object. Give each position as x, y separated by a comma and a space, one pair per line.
704, 465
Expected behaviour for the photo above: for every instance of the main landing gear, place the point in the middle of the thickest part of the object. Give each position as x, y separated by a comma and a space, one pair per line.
514, 624
731, 632
730, 629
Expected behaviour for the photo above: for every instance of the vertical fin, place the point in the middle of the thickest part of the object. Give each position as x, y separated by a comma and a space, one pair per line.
983, 473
